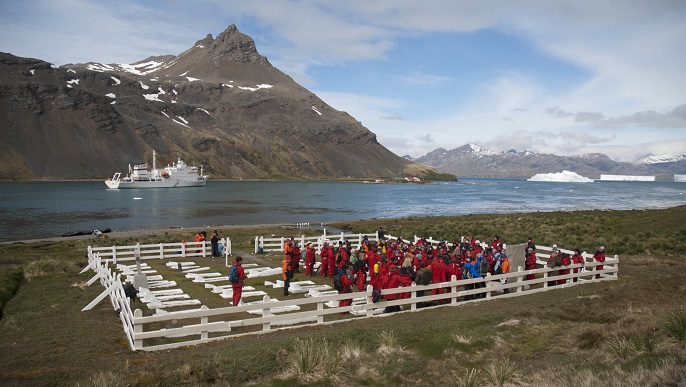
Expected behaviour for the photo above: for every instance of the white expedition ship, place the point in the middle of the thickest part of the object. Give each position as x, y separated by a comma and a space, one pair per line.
172, 176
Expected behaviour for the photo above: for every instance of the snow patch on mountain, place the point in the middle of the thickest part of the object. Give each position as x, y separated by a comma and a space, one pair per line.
481, 151
659, 159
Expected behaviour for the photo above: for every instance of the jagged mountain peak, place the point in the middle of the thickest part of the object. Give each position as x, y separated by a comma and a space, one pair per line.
233, 46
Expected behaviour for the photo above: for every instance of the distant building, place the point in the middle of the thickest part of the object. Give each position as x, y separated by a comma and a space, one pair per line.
680, 178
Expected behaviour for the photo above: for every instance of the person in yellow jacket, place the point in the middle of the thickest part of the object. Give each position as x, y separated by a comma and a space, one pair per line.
287, 273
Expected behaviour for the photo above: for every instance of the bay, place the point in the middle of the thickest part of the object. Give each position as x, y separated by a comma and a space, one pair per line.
31, 210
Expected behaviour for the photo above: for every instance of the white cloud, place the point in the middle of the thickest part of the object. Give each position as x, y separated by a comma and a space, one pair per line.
629, 84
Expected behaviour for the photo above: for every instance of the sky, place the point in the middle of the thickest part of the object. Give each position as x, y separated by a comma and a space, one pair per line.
548, 76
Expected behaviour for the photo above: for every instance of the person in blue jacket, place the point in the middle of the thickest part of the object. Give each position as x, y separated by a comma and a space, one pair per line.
469, 270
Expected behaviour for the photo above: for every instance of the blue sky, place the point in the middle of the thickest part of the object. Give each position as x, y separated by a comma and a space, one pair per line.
562, 77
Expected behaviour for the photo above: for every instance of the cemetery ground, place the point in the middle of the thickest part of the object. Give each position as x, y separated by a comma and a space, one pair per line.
631, 331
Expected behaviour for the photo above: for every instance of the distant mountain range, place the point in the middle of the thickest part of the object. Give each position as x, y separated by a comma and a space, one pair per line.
475, 161
219, 104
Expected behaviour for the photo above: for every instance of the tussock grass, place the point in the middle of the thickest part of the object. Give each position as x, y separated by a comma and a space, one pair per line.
310, 361
620, 347
674, 326
502, 373
461, 339
106, 379
467, 378
389, 343
45, 266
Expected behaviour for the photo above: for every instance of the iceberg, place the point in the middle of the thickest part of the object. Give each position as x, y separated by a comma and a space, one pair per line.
561, 177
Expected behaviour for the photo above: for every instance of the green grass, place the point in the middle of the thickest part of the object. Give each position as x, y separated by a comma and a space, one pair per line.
49, 341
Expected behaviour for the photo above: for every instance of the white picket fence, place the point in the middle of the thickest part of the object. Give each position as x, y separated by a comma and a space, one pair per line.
189, 327
277, 244
114, 288
116, 254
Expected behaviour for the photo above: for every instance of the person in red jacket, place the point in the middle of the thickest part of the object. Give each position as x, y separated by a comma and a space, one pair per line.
360, 272
347, 286
309, 260
333, 262
345, 259
599, 256
530, 262
237, 287
391, 282
296, 257
406, 275
324, 254
577, 258
438, 271
497, 243
566, 260
373, 268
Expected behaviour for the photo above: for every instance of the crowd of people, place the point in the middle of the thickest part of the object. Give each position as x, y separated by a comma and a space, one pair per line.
390, 264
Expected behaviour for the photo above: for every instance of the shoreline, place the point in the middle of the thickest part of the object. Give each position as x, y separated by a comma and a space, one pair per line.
180, 229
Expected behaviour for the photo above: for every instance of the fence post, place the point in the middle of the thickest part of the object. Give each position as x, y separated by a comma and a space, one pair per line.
520, 278
204, 248
370, 311
453, 289
257, 241
320, 317
137, 328
203, 321
161, 250
266, 312
413, 296
545, 276
487, 282
114, 254
283, 242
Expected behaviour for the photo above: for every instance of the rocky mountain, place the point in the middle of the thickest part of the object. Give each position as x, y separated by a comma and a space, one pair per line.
219, 104
474, 161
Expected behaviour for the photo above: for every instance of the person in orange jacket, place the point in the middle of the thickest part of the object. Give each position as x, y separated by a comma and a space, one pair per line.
287, 273
199, 238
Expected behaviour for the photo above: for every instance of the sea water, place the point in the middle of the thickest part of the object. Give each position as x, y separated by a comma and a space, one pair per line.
30, 210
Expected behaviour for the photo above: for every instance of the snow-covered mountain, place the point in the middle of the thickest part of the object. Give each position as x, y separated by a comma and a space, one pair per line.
472, 160
660, 159
219, 104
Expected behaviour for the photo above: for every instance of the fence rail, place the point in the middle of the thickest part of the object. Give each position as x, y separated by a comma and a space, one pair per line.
263, 244
157, 332
116, 254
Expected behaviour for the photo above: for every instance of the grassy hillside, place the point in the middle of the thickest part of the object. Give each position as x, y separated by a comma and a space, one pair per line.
626, 332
